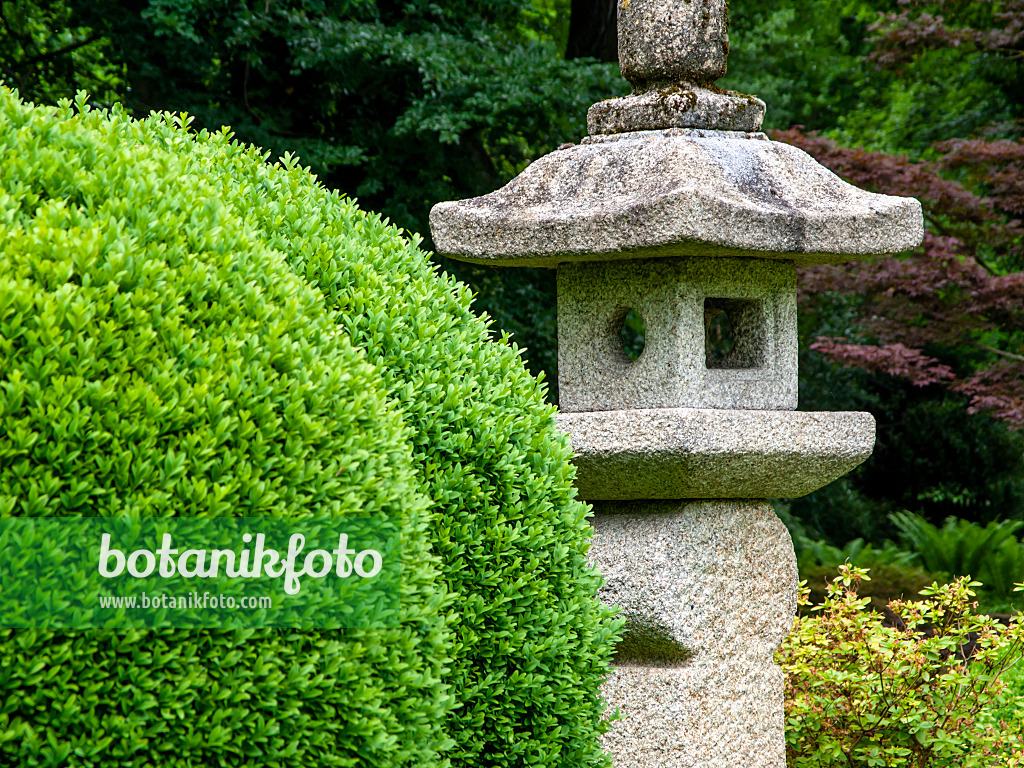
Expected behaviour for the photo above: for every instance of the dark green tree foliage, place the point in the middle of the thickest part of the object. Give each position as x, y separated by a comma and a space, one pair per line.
502, 652
800, 56
47, 54
966, 60
851, 67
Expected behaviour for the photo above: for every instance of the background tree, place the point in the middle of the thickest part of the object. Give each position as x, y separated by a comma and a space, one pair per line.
930, 96
46, 54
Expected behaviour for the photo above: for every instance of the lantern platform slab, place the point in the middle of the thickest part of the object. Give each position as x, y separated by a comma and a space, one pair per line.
685, 105
694, 453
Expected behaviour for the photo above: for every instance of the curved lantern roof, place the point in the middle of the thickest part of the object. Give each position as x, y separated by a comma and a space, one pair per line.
675, 192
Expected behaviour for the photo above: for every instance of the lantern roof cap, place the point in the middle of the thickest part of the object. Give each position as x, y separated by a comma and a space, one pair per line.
675, 192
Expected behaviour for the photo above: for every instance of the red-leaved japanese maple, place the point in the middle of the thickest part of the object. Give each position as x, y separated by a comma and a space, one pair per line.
959, 289
952, 312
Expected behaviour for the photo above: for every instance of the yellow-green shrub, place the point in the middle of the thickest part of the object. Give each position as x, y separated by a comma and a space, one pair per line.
926, 693
390, 397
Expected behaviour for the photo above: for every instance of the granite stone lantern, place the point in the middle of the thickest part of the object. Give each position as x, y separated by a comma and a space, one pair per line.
676, 207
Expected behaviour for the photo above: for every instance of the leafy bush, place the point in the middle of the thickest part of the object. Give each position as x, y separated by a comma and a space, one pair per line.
895, 573
888, 583
221, 384
1012, 707
924, 695
158, 359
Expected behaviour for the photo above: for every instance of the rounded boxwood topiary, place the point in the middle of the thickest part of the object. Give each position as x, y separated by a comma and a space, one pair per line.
157, 358
525, 642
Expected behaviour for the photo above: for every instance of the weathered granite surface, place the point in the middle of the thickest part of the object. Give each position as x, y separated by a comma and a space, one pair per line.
674, 371
675, 192
704, 715
670, 41
719, 578
688, 453
682, 105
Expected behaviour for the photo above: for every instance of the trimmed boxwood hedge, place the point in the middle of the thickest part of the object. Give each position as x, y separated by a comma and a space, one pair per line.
186, 329
157, 359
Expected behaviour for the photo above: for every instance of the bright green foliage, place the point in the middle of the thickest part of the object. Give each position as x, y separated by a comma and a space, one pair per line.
1013, 702
860, 694
888, 583
199, 222
159, 359
400, 104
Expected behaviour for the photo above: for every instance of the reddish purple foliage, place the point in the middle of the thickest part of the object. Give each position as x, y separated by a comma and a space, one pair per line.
945, 294
903, 36
893, 359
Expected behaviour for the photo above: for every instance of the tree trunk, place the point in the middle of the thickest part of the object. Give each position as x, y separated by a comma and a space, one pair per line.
592, 30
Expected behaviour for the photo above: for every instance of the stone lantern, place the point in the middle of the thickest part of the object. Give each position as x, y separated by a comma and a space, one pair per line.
676, 207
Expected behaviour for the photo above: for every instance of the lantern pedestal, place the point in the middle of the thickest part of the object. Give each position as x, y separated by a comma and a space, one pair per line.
709, 590
708, 587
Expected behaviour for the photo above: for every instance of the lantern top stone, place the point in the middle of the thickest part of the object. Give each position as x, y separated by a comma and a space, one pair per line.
677, 168
672, 52
669, 41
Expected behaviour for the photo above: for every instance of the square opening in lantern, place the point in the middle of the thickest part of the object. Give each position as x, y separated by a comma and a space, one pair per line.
734, 333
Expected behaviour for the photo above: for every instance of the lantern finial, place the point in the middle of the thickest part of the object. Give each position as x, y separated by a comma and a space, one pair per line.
672, 52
